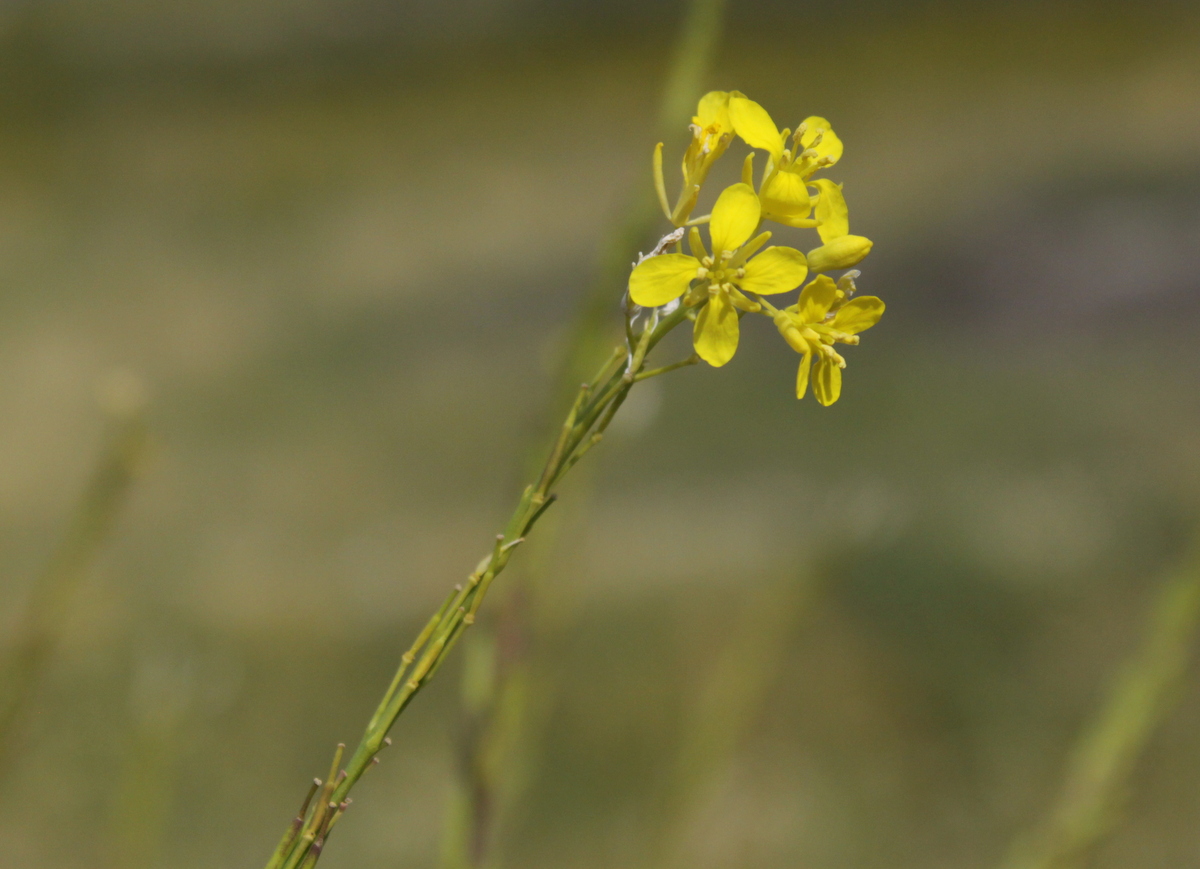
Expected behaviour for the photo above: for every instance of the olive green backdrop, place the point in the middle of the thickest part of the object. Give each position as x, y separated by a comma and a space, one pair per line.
339, 242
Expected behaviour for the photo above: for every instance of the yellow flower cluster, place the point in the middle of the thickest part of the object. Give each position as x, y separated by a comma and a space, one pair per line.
721, 283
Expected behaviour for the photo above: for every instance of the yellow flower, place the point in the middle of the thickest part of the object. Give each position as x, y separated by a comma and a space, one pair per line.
813, 146
840, 250
810, 328
726, 274
784, 191
712, 132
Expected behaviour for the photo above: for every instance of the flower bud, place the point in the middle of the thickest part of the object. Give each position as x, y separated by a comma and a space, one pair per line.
840, 253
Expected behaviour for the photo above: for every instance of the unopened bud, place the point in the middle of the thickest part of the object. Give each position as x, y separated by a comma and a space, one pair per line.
841, 253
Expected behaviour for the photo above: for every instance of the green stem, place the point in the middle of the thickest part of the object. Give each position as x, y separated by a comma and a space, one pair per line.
300, 849
666, 369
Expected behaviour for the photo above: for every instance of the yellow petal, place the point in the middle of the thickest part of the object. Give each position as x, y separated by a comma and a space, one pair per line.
713, 108
661, 279
831, 210
827, 381
787, 220
841, 253
734, 217
858, 315
754, 125
775, 270
830, 145
802, 375
816, 299
786, 193
716, 332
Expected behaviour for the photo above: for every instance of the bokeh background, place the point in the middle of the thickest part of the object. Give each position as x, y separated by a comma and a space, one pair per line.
338, 242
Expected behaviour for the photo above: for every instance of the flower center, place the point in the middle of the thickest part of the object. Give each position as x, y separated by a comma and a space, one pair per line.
721, 273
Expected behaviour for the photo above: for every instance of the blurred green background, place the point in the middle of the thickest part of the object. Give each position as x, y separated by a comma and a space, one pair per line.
339, 242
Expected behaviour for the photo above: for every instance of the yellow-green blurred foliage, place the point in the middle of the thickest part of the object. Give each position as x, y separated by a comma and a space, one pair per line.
338, 241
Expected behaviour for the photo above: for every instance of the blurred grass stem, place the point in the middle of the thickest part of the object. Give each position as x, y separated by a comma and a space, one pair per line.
736, 686
1107, 751
493, 695
50, 603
